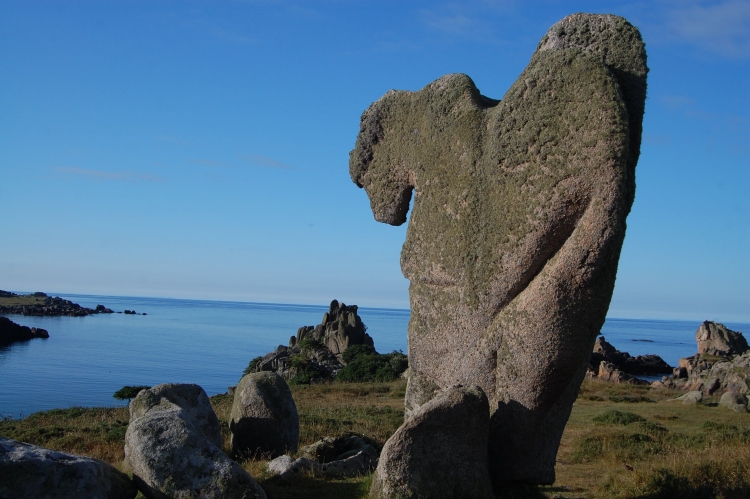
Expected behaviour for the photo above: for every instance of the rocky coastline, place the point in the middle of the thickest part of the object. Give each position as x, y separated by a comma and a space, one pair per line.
10, 332
41, 305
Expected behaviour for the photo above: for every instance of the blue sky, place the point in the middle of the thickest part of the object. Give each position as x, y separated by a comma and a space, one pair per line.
200, 149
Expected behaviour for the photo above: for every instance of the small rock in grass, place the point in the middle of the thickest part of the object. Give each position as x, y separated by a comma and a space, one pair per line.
735, 401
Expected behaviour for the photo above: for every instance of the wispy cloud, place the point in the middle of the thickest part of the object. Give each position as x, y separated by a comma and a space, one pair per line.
676, 101
452, 23
211, 162
172, 140
124, 176
466, 19
722, 28
265, 161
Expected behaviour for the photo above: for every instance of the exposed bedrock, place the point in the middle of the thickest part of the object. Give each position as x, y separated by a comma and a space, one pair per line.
517, 224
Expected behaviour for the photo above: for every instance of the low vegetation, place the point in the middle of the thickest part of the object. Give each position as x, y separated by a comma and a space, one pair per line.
622, 441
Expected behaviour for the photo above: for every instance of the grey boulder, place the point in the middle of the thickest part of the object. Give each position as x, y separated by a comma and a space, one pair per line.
31, 471
440, 452
735, 401
691, 398
264, 417
189, 398
175, 451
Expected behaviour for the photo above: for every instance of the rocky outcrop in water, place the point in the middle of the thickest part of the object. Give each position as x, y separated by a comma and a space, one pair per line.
517, 224
40, 305
10, 332
173, 444
640, 365
28, 471
315, 353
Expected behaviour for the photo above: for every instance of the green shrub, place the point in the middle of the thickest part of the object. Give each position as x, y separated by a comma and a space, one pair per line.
252, 366
372, 366
618, 418
129, 392
355, 350
310, 343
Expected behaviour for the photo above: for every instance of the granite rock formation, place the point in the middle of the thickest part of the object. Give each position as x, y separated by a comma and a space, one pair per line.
640, 365
318, 350
10, 332
516, 228
607, 371
264, 418
441, 451
716, 339
721, 365
31, 471
173, 444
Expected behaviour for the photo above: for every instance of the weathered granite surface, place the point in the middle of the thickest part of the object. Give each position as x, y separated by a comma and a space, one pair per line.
721, 365
715, 338
440, 452
29, 471
517, 224
264, 418
320, 346
173, 444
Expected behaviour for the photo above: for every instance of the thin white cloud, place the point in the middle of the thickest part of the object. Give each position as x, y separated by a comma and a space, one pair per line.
265, 161
452, 23
469, 19
124, 176
172, 140
210, 162
676, 101
722, 28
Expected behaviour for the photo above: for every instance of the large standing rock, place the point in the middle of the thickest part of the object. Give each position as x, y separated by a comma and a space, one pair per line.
517, 224
264, 416
716, 339
440, 452
30, 471
173, 444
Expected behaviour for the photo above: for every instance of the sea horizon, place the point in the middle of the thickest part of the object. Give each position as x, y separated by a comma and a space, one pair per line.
210, 342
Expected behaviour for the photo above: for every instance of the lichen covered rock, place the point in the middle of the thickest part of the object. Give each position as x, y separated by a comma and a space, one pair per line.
440, 452
35, 472
171, 445
517, 224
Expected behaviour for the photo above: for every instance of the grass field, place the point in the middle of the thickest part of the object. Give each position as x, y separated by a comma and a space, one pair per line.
13, 301
621, 442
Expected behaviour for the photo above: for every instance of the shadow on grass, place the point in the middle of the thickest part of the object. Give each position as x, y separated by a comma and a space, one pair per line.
315, 488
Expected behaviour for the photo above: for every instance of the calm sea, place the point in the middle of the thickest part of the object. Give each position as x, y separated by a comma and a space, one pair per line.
86, 359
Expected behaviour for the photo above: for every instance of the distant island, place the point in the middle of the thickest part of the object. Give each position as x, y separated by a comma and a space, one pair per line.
41, 305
